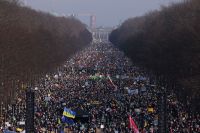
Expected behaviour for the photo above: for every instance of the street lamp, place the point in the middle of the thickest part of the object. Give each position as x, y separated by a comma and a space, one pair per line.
30, 97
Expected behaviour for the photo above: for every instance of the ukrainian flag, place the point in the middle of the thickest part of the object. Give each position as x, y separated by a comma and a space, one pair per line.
69, 113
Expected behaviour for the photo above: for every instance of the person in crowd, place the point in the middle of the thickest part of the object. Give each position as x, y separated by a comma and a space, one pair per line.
103, 83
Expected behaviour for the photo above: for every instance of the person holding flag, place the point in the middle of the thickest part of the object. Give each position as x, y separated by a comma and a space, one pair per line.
132, 125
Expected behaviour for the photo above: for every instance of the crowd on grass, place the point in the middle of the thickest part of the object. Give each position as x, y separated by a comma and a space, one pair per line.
103, 87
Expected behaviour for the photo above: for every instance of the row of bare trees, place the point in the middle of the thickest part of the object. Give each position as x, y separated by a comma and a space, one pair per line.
33, 43
167, 42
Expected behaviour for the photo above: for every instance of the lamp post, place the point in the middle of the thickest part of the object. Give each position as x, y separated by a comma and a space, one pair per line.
1, 113
162, 103
30, 96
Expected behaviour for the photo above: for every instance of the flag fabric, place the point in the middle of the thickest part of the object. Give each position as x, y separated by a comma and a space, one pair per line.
59, 122
19, 129
61, 129
133, 91
132, 125
111, 81
145, 123
69, 113
150, 110
93, 77
171, 130
8, 131
69, 121
97, 76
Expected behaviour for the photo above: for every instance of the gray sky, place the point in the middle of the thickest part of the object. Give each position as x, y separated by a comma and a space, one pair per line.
108, 12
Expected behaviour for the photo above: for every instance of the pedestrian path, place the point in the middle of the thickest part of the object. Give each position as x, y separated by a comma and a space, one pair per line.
101, 87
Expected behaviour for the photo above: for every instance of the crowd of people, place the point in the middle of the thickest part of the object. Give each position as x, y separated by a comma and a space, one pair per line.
103, 87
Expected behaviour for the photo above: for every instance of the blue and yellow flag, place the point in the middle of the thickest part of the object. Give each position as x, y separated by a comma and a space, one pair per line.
66, 120
69, 113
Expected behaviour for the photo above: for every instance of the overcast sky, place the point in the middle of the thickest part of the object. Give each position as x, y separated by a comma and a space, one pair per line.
108, 12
